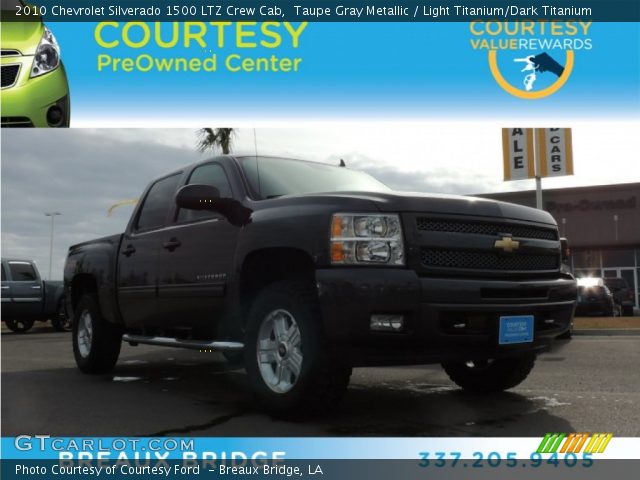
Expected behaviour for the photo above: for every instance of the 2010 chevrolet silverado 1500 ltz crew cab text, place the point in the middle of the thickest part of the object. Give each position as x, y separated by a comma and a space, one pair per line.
306, 270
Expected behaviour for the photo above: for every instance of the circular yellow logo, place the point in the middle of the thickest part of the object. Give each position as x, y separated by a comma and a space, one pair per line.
529, 95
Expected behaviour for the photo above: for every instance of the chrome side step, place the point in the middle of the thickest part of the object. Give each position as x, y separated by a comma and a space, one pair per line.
190, 344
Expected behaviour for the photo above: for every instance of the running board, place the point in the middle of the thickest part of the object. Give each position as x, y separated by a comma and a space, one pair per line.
190, 344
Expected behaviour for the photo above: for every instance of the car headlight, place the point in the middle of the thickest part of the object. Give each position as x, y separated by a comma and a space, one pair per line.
47, 57
366, 239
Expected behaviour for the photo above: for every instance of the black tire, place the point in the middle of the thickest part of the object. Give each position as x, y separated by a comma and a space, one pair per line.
322, 379
627, 311
61, 322
19, 326
98, 352
490, 376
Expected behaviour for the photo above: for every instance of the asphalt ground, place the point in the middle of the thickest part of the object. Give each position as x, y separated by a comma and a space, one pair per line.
588, 384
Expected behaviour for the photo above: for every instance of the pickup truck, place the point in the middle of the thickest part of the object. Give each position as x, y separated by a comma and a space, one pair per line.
306, 270
26, 298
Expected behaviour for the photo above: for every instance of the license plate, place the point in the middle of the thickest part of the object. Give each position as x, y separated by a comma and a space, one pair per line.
516, 329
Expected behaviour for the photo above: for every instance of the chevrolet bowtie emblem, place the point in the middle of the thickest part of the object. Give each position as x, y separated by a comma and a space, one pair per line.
507, 244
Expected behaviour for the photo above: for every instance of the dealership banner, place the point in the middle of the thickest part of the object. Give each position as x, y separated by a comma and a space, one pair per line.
181, 63
575, 455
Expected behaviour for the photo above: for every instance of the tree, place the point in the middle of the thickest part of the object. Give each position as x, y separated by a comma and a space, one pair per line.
214, 138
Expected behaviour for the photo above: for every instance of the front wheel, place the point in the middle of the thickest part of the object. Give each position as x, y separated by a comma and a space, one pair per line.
288, 363
96, 342
486, 376
19, 326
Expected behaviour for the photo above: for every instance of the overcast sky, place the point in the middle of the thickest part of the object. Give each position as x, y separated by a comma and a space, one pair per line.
81, 172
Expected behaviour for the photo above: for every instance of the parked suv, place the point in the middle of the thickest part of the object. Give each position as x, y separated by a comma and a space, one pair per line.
622, 294
311, 269
35, 92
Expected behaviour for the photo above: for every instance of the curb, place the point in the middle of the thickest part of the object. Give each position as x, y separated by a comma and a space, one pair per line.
615, 332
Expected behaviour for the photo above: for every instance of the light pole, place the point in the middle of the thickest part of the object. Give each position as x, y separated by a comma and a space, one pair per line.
52, 215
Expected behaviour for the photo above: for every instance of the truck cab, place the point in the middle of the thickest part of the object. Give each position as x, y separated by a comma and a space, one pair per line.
26, 298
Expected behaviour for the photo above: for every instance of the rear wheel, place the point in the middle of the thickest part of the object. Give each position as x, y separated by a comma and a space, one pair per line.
627, 311
19, 326
96, 342
61, 322
488, 376
289, 366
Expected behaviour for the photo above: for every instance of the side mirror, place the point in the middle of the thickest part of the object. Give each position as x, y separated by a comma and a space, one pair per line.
197, 197
207, 197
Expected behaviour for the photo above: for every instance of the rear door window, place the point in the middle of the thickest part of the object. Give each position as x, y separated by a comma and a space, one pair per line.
22, 272
157, 202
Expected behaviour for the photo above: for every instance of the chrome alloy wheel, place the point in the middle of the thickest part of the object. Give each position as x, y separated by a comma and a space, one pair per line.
279, 351
85, 334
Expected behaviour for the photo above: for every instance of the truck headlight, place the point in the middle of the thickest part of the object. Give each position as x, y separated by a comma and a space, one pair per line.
47, 57
366, 239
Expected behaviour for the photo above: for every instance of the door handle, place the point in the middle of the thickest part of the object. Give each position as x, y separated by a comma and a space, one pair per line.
172, 244
128, 250
36, 287
5, 287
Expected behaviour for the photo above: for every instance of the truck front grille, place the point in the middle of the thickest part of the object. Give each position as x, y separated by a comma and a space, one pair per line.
9, 75
472, 260
482, 228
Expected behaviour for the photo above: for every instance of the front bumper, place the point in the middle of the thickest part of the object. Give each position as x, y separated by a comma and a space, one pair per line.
28, 100
431, 307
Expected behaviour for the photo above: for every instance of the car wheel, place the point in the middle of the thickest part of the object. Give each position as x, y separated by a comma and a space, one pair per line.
96, 342
19, 326
628, 311
488, 376
288, 363
61, 322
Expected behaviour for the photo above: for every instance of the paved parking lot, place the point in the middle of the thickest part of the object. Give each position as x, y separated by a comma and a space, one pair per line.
589, 384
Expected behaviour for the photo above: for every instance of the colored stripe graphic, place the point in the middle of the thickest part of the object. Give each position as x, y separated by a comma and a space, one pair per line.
574, 442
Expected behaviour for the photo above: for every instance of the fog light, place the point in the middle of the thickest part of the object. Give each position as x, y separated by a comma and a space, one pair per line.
387, 323
55, 116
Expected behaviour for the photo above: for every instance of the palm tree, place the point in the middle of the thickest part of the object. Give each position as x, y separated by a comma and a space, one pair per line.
213, 138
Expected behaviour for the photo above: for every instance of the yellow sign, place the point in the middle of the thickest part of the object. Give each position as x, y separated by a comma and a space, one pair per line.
517, 150
554, 152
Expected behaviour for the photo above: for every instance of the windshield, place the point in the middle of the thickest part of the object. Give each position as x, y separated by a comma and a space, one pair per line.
273, 177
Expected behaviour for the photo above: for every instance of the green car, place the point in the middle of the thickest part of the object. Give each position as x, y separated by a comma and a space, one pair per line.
35, 92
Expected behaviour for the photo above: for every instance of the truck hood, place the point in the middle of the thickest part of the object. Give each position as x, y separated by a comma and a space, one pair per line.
21, 36
406, 202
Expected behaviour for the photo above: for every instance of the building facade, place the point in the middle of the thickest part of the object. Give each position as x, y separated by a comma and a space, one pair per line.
602, 224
